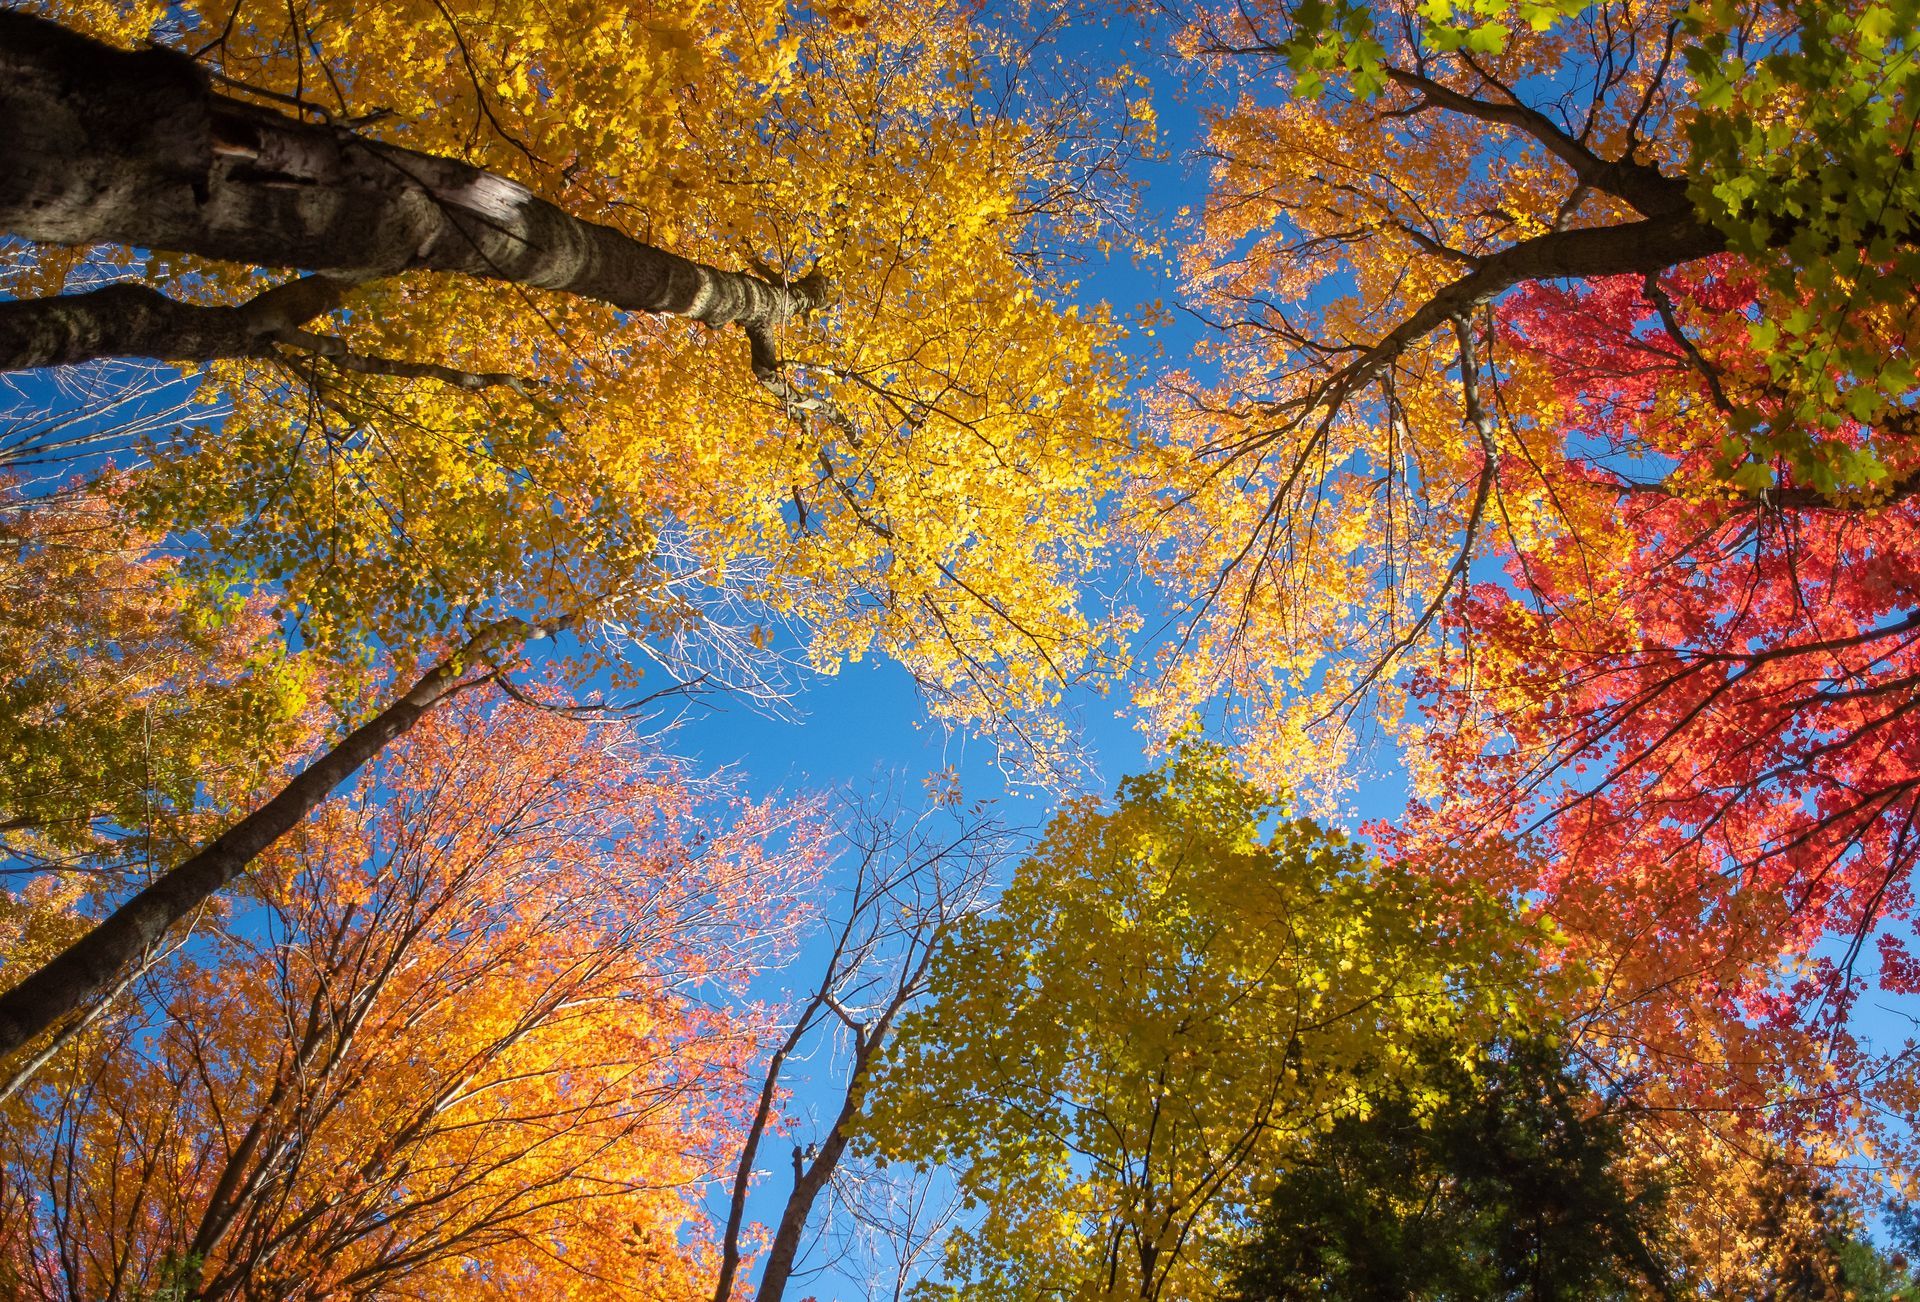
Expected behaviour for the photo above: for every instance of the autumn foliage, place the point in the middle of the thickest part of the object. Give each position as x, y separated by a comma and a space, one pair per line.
133, 700
1177, 989
911, 467
1513, 433
468, 1043
1552, 423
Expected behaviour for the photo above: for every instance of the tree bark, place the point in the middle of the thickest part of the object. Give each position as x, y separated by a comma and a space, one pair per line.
130, 320
1643, 185
809, 1179
106, 146
91, 965
1650, 245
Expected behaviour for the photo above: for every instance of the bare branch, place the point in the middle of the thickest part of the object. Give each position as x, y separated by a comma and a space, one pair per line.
910, 881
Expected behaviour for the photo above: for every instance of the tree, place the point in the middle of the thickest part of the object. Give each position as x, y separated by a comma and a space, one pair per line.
1176, 990
77, 977
911, 879
457, 1044
136, 711
1727, 684
460, 426
127, 692
1366, 446
1563, 416
911, 459
1785, 1231
1496, 1176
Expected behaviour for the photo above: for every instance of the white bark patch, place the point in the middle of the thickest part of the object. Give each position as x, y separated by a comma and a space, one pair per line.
493, 197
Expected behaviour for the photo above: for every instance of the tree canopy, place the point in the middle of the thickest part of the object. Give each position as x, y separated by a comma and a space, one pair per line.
1176, 989
398, 399
1498, 1177
1555, 417
465, 1056
496, 389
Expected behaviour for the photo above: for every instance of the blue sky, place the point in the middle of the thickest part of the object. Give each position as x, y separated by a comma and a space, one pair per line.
865, 724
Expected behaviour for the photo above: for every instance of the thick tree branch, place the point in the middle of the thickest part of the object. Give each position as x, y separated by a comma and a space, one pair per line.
93, 964
1639, 184
129, 320
132, 320
24, 1072
1670, 321
1642, 247
106, 146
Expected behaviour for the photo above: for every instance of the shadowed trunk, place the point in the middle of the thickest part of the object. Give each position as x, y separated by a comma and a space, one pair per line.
813, 1172
106, 146
130, 320
92, 965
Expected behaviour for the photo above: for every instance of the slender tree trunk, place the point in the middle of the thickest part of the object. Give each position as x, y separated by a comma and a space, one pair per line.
90, 967
750, 1149
809, 1178
106, 146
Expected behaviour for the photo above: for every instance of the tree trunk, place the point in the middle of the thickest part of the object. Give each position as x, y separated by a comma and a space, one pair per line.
92, 964
809, 1178
106, 146
743, 1171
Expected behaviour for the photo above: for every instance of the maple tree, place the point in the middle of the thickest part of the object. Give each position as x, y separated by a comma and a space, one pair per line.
1562, 409
1509, 1177
1175, 989
127, 692
1367, 445
1784, 1230
455, 1042
461, 425
138, 710
1560, 405
97, 961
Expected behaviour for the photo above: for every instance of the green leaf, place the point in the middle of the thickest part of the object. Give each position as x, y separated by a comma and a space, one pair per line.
1489, 38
